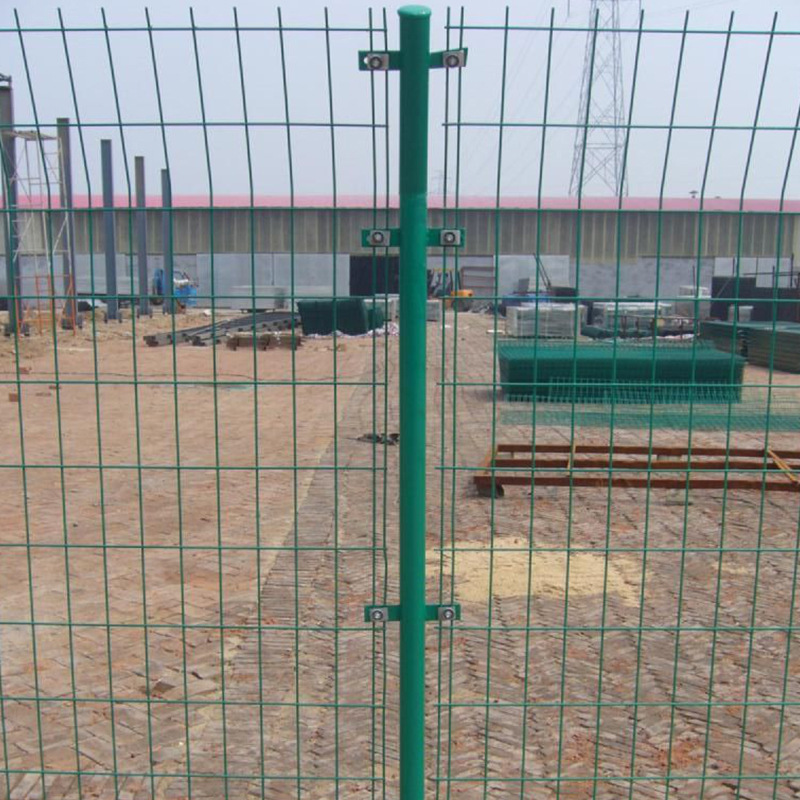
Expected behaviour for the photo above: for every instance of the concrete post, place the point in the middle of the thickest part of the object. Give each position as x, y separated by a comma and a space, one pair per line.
109, 238
8, 155
69, 318
166, 242
141, 236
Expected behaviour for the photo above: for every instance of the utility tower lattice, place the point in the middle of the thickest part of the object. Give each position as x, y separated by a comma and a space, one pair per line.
601, 114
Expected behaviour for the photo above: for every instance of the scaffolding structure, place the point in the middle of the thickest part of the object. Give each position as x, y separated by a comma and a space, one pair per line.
42, 233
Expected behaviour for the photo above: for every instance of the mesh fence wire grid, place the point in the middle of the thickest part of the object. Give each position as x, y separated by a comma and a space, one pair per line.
191, 534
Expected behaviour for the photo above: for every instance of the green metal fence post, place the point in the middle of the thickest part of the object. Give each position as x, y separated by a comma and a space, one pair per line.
415, 62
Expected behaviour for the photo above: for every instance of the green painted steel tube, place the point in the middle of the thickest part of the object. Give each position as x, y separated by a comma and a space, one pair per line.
414, 55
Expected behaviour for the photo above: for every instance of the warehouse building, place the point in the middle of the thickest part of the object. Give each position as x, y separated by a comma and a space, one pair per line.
658, 247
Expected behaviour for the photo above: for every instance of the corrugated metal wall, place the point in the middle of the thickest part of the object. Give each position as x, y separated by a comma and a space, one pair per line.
674, 234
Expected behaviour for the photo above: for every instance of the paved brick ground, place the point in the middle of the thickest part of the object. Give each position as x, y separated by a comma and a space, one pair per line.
282, 676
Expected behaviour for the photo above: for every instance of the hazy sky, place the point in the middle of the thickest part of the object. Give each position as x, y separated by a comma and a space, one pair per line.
309, 98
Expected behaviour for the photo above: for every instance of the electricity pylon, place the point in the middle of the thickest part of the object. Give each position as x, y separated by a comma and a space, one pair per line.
601, 115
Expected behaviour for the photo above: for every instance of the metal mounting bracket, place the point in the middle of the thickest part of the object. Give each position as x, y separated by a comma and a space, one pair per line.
449, 59
450, 237
435, 237
433, 613
385, 60
378, 60
380, 237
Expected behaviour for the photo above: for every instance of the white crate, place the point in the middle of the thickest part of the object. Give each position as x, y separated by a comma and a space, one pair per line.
543, 319
434, 311
745, 313
628, 314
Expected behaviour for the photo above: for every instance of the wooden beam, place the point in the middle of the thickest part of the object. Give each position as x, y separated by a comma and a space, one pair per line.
623, 481
734, 463
660, 450
752, 465
781, 464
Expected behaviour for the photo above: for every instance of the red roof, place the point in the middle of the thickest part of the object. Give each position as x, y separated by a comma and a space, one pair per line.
764, 205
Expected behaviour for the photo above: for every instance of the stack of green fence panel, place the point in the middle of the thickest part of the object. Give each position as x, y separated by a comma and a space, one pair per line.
723, 335
317, 316
782, 353
755, 413
597, 372
763, 343
375, 316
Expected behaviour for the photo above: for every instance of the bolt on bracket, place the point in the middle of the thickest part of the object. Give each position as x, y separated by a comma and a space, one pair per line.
449, 59
446, 237
378, 60
377, 614
380, 237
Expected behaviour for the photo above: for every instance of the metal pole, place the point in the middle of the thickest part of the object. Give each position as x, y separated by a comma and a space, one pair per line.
166, 241
65, 192
415, 58
141, 236
109, 239
8, 151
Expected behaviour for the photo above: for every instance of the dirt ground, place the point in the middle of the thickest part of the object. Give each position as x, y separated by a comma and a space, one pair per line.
197, 623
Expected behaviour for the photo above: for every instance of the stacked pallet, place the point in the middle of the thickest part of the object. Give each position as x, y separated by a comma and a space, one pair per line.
601, 371
639, 315
548, 320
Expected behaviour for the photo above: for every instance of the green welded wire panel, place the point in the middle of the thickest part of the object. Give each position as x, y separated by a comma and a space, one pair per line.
587, 662
602, 369
191, 534
634, 412
185, 541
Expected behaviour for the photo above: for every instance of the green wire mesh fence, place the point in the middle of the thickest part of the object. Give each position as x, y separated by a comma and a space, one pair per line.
200, 550
606, 650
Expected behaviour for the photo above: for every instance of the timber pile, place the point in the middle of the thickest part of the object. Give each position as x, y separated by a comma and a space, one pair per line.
218, 331
638, 467
263, 341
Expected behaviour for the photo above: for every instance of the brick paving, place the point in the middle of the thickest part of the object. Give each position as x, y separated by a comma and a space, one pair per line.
317, 692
